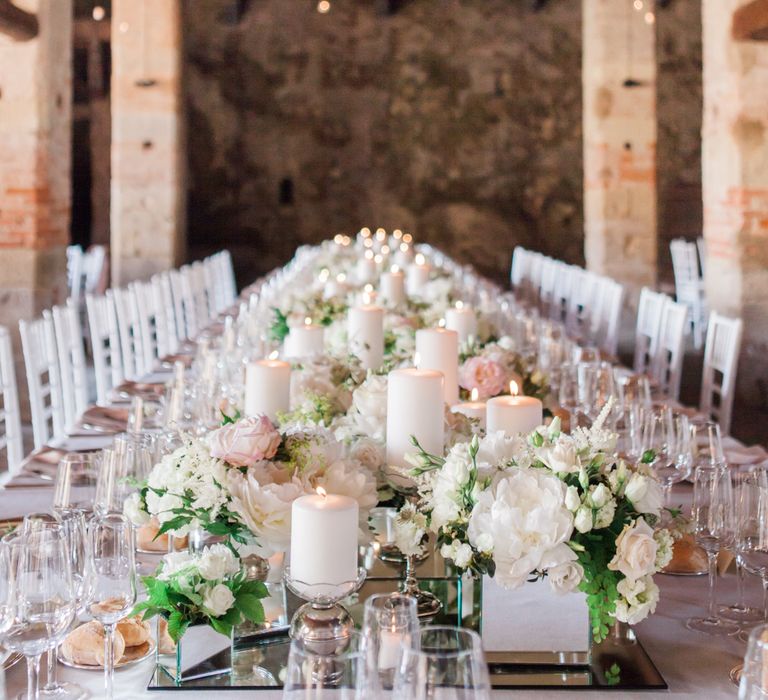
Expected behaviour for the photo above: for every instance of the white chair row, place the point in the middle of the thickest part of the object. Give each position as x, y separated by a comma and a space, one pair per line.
588, 304
689, 284
85, 270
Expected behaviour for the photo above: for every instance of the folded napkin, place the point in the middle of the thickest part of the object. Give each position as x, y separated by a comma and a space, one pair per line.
745, 455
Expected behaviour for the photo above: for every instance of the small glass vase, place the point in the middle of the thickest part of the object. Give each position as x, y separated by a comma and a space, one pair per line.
201, 652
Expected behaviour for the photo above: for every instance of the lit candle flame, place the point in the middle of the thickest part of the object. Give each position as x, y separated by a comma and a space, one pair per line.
274, 355
394, 268
338, 239
368, 243
381, 234
368, 288
441, 323
407, 238
420, 259
397, 234
459, 304
321, 491
514, 389
403, 247
365, 232
474, 394
307, 321
378, 259
369, 254
341, 277
324, 274
385, 250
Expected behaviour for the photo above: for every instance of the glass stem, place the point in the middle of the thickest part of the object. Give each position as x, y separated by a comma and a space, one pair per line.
51, 681
764, 580
712, 560
740, 584
33, 674
109, 659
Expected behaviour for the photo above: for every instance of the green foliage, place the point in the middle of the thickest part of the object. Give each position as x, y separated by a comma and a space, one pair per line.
279, 329
613, 674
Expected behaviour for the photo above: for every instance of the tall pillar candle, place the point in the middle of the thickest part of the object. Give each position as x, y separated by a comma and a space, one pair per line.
305, 341
366, 267
418, 276
514, 414
366, 335
324, 541
438, 349
392, 287
463, 320
414, 407
267, 388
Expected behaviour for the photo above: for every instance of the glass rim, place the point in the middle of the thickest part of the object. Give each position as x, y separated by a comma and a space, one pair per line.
413, 646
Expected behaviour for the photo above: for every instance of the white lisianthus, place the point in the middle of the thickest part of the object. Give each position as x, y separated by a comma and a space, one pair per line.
134, 511
599, 495
458, 552
583, 520
525, 515
217, 600
563, 569
636, 550
217, 562
562, 457
645, 494
638, 599
572, 499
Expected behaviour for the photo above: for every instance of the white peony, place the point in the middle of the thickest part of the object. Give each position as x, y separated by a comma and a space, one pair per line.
563, 569
217, 600
525, 515
638, 599
217, 562
372, 454
636, 551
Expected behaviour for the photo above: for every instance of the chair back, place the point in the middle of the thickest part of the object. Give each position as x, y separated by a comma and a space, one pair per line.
105, 346
10, 416
69, 346
649, 312
721, 358
667, 367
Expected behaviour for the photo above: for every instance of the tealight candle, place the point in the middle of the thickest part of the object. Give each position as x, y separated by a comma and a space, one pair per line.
305, 341
414, 407
472, 409
463, 320
438, 349
267, 388
324, 539
366, 335
392, 287
514, 414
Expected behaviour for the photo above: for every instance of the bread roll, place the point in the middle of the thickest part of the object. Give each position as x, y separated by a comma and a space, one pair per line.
145, 539
134, 630
85, 645
687, 557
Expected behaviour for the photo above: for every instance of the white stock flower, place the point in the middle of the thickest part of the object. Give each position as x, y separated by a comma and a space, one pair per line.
664, 553
447, 485
217, 562
409, 529
563, 569
134, 511
525, 515
636, 550
217, 600
638, 599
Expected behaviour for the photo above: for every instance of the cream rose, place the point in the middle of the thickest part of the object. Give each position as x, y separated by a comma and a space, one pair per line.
563, 569
635, 551
246, 442
562, 457
217, 600
487, 376
217, 562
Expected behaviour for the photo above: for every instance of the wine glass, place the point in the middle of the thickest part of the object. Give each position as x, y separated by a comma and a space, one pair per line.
110, 580
568, 394
666, 434
43, 599
706, 445
135, 455
107, 496
76, 480
341, 676
714, 529
389, 620
442, 662
754, 679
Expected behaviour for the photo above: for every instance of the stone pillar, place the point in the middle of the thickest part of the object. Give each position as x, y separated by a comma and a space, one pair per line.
148, 159
619, 98
735, 185
35, 155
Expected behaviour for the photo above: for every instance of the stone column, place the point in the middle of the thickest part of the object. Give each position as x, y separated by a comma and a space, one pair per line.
735, 185
148, 160
619, 97
35, 154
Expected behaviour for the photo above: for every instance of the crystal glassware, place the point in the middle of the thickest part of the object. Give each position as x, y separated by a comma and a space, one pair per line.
666, 434
111, 580
714, 529
76, 480
754, 673
442, 662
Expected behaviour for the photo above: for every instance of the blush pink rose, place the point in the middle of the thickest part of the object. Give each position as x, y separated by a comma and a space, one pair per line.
246, 442
485, 375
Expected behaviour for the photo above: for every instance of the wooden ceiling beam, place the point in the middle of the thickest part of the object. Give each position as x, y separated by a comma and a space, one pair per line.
750, 22
17, 23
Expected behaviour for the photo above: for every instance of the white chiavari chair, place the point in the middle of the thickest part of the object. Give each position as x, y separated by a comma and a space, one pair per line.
561, 295
183, 303
75, 271
689, 286
667, 368
606, 321
172, 335
10, 416
649, 312
534, 277
123, 314
519, 268
94, 262
549, 271
105, 346
205, 307
69, 346
581, 303
701, 248
721, 357
41, 363
213, 288
227, 278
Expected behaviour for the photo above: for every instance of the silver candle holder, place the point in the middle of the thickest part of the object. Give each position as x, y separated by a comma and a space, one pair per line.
323, 624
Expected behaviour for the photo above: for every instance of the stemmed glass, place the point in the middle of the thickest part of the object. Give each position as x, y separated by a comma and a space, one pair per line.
667, 435
42, 597
754, 679
444, 662
714, 529
111, 580
76, 480
706, 445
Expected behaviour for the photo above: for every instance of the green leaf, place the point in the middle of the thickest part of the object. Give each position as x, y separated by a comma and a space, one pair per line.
648, 457
250, 606
257, 588
177, 625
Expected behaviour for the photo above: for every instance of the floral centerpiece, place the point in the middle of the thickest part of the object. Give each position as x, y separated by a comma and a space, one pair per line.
552, 505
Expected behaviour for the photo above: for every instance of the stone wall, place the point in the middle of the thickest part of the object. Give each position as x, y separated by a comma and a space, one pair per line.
460, 121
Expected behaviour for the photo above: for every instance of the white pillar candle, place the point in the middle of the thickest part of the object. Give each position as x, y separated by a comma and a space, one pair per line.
438, 349
404, 254
366, 267
267, 388
389, 648
472, 409
514, 414
418, 276
305, 341
366, 335
414, 407
324, 539
463, 320
392, 287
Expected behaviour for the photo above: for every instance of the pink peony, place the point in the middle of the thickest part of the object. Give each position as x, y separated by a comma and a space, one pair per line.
246, 442
487, 376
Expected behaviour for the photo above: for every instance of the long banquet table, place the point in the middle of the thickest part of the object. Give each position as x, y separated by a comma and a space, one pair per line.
694, 665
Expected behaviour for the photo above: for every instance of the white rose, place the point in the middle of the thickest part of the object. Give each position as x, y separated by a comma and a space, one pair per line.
217, 600
583, 520
562, 457
484, 543
644, 493
216, 562
635, 551
173, 563
369, 452
563, 569
462, 555
638, 599
572, 499
134, 511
